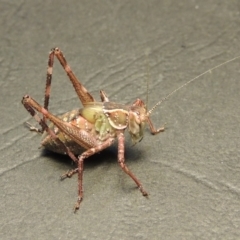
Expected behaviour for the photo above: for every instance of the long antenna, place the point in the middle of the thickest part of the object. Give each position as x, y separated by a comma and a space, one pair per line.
147, 64
208, 71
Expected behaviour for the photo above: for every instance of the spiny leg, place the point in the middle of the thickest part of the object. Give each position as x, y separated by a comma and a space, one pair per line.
46, 95
37, 118
121, 161
48, 80
81, 159
45, 127
153, 130
81, 91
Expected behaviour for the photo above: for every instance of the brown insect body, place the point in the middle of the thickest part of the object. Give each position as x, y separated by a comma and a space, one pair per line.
100, 120
93, 128
88, 130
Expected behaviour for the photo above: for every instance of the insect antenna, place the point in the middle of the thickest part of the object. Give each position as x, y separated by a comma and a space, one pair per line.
193, 79
147, 78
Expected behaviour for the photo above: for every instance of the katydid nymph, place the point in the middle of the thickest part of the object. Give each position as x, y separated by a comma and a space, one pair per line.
81, 133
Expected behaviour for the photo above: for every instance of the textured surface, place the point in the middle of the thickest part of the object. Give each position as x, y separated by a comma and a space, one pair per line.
192, 171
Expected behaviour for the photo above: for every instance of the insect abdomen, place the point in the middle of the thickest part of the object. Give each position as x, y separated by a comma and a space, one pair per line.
74, 118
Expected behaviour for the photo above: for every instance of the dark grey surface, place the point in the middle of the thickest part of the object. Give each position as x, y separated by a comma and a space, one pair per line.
192, 171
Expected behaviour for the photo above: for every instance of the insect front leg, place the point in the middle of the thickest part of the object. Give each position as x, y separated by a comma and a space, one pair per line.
153, 130
121, 161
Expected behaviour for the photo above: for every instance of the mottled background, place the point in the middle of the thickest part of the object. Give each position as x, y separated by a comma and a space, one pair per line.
192, 170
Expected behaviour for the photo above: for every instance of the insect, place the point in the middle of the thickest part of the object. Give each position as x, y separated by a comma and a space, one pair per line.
87, 131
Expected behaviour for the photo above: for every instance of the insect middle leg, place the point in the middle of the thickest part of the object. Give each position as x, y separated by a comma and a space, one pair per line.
81, 159
121, 161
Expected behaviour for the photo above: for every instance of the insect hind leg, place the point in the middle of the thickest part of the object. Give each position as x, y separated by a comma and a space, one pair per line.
81, 91
45, 127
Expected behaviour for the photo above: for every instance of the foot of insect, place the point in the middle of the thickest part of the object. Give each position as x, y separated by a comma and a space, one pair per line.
32, 128
161, 129
69, 174
77, 205
144, 193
